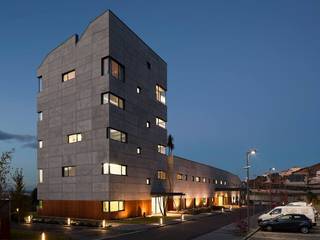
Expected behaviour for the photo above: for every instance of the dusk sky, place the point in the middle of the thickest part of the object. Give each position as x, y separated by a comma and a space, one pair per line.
241, 74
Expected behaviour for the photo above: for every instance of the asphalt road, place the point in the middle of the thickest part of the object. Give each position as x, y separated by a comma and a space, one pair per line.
188, 230
262, 235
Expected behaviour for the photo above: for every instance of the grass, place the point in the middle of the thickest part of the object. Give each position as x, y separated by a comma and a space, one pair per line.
34, 235
146, 220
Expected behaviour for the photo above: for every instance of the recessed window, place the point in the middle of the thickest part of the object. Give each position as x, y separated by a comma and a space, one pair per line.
204, 180
161, 123
160, 94
161, 149
225, 183
68, 171
112, 67
116, 135
138, 90
114, 169
40, 175
208, 180
113, 99
40, 84
161, 175
112, 206
147, 124
40, 116
192, 178
40, 144
220, 182
148, 65
73, 138
197, 179
148, 182
216, 181
138, 150
181, 176
69, 76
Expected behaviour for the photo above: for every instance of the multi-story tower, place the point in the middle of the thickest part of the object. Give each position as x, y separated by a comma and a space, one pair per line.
102, 126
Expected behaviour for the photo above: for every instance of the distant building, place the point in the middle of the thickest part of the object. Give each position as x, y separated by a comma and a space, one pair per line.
102, 132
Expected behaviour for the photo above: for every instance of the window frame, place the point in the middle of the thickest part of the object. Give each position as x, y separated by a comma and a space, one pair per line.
67, 73
40, 172
40, 144
161, 175
63, 168
109, 102
121, 68
77, 137
158, 119
40, 84
109, 209
40, 116
159, 147
121, 135
165, 92
109, 172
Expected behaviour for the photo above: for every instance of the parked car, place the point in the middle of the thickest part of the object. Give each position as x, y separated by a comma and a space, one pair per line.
282, 210
288, 222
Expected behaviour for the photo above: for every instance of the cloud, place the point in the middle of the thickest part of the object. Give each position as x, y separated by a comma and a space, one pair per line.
28, 140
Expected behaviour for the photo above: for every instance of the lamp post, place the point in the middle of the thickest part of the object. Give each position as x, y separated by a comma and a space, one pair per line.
249, 153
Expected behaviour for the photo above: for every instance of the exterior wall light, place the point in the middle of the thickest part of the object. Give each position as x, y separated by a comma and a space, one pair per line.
43, 236
161, 221
68, 222
104, 223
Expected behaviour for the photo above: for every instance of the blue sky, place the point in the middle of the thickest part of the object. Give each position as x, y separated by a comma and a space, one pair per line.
241, 74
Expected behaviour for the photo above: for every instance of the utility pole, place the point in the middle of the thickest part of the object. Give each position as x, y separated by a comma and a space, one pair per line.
249, 153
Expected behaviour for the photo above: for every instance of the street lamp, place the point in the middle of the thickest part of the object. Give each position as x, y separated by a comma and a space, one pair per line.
250, 152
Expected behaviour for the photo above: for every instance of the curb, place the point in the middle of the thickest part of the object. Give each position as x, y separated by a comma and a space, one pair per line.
249, 235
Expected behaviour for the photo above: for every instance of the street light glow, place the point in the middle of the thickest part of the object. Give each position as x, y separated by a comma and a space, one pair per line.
253, 152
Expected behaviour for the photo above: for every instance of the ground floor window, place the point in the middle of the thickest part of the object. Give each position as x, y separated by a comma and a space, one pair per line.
112, 206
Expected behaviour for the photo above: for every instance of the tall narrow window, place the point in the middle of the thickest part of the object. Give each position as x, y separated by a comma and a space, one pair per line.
148, 181
161, 175
40, 175
116, 135
40, 84
112, 67
160, 94
138, 90
138, 150
197, 179
147, 124
161, 123
40, 116
112, 99
161, 149
68, 171
73, 138
114, 169
69, 75
40, 144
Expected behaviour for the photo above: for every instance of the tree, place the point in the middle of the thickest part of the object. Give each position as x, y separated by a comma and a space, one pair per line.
5, 161
17, 193
170, 144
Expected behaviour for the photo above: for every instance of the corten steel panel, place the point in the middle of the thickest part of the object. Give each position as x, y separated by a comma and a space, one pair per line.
92, 209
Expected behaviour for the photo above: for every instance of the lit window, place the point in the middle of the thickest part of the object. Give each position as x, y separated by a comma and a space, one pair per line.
69, 171
160, 122
138, 90
161, 175
220, 182
161, 149
216, 181
148, 124
112, 206
160, 94
148, 181
40, 143
112, 67
197, 179
73, 138
225, 183
40, 175
138, 150
114, 169
40, 116
113, 99
69, 76
117, 135
179, 176
204, 180
40, 84
40, 206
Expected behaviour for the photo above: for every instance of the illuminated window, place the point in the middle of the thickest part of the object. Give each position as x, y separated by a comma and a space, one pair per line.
216, 181
204, 180
113, 99
220, 182
147, 124
68, 76
161, 149
112, 206
40, 84
197, 179
73, 138
225, 183
161, 175
179, 176
138, 90
148, 181
68, 171
40, 144
40, 206
40, 175
117, 135
112, 67
114, 169
138, 150
160, 122
40, 116
160, 94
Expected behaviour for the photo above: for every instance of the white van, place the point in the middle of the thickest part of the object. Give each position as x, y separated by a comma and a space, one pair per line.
301, 204
281, 210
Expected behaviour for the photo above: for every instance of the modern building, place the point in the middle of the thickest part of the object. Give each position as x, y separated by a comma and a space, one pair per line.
102, 131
